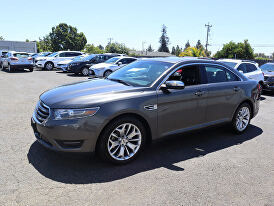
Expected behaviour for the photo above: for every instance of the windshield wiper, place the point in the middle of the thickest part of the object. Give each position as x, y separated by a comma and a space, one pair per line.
120, 81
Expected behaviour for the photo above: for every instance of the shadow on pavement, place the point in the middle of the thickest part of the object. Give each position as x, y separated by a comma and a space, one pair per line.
68, 168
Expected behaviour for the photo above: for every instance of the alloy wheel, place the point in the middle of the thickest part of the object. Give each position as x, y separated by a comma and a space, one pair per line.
124, 141
242, 118
85, 71
107, 73
49, 66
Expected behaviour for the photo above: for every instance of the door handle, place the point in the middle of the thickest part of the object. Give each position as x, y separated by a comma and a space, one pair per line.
199, 93
236, 89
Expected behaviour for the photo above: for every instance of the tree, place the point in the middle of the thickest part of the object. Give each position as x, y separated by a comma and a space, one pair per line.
91, 49
173, 51
150, 49
187, 45
117, 48
101, 47
164, 40
241, 50
2, 38
27, 40
199, 45
193, 52
178, 50
66, 37
44, 44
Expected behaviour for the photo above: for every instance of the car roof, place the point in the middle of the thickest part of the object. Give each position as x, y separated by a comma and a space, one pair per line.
176, 60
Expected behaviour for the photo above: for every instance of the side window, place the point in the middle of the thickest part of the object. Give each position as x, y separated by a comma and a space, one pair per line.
250, 68
215, 74
129, 60
62, 54
231, 77
190, 75
242, 68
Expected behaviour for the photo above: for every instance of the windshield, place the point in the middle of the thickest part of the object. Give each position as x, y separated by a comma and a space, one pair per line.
140, 73
267, 67
230, 64
78, 58
88, 58
53, 54
112, 60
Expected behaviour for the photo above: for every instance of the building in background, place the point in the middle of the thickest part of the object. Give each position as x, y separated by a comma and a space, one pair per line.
19, 46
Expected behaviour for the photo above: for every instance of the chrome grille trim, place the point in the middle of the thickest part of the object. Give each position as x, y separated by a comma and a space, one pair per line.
42, 112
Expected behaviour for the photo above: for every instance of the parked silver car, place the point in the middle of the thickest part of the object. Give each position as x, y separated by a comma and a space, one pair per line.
17, 61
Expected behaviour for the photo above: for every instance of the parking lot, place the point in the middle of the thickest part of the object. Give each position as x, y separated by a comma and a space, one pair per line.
206, 167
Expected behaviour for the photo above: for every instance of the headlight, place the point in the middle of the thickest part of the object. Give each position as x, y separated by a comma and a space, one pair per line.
60, 114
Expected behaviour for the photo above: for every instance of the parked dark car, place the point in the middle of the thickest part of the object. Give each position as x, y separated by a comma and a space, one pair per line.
82, 66
268, 71
143, 101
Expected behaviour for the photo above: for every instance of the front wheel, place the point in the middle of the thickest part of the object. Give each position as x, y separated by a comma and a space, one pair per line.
122, 140
49, 66
241, 118
31, 69
107, 73
10, 69
85, 71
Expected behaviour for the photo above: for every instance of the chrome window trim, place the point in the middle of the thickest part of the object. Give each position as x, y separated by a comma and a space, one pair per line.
204, 63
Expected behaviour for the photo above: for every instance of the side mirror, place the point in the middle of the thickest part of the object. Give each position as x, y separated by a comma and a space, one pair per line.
174, 85
241, 71
119, 63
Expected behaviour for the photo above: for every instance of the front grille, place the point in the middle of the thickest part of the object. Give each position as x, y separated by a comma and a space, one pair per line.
42, 112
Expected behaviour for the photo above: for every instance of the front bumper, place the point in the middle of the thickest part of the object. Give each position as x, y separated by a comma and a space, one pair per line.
40, 64
268, 85
77, 135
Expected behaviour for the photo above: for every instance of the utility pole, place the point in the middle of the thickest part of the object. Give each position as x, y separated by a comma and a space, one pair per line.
207, 34
143, 46
109, 40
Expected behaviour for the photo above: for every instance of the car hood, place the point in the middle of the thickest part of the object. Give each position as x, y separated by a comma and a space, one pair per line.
87, 94
268, 73
46, 58
100, 65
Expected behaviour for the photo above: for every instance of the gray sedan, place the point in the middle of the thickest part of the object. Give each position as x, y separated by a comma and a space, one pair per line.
143, 101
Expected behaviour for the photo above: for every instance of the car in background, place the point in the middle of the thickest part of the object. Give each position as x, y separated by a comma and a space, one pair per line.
109, 66
149, 99
268, 71
249, 68
2, 55
51, 61
63, 65
40, 55
17, 61
82, 66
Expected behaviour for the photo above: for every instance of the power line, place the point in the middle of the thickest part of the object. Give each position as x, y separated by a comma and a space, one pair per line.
207, 34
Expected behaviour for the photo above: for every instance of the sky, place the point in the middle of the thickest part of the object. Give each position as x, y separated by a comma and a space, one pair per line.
135, 21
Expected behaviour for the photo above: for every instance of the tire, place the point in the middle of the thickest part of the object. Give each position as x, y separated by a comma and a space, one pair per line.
31, 69
107, 73
85, 71
2, 67
49, 66
10, 69
126, 147
241, 119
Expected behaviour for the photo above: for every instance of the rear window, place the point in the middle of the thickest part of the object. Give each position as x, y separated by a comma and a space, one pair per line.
20, 55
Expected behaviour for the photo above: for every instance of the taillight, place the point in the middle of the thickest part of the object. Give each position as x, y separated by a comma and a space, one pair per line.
14, 59
30, 58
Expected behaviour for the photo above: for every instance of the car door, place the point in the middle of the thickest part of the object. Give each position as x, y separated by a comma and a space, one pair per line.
183, 109
223, 92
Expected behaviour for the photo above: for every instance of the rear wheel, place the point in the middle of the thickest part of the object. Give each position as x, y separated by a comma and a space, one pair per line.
122, 140
85, 71
49, 66
241, 118
31, 69
2, 66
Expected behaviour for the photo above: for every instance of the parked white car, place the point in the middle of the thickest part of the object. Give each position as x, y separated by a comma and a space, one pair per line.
249, 68
51, 61
17, 61
106, 68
